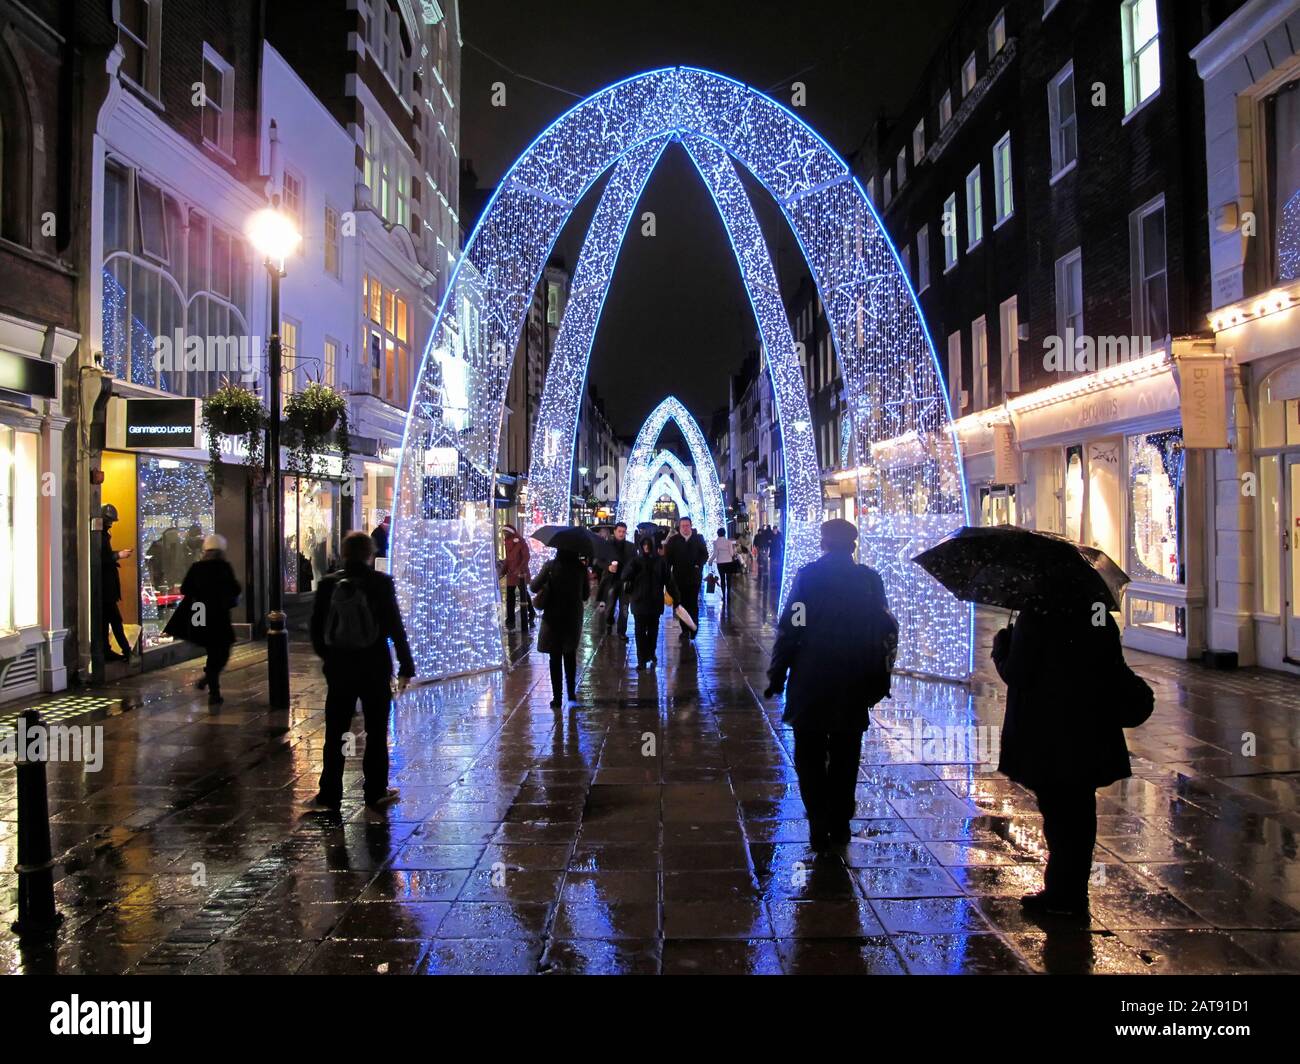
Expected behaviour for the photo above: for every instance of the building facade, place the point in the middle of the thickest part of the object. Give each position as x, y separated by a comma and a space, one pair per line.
1250, 66
1045, 192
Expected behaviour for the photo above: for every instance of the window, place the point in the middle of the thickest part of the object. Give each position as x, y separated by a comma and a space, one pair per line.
20, 473
945, 109
923, 258
386, 341
329, 372
1062, 120
871, 190
902, 166
1009, 343
552, 303
1146, 228
1155, 472
954, 372
889, 187
139, 28
370, 150
918, 143
332, 249
153, 228
291, 195
1141, 33
979, 358
906, 255
402, 209
968, 75
288, 357
1003, 201
998, 34
1069, 296
974, 209
1282, 123
218, 102
948, 226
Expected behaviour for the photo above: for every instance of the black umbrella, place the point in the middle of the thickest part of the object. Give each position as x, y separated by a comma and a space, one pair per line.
1015, 568
571, 537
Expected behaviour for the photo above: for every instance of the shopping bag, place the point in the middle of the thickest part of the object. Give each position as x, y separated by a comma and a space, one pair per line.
685, 617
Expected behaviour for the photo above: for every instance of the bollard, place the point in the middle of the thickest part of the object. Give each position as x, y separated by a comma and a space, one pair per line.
36, 912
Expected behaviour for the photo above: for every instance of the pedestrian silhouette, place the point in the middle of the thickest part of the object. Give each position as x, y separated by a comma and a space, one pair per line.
1062, 737
836, 641
561, 589
647, 580
354, 617
209, 592
687, 555
515, 571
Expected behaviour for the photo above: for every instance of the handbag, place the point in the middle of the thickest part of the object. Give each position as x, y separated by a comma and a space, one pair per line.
1134, 700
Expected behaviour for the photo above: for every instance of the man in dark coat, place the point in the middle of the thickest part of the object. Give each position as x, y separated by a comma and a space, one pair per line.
380, 536
563, 587
644, 584
111, 588
1058, 738
836, 640
687, 554
358, 672
613, 584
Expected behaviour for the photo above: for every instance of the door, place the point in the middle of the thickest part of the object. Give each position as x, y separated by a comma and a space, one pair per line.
1291, 564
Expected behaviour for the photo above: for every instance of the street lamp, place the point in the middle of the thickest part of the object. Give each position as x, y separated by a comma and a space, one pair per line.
274, 234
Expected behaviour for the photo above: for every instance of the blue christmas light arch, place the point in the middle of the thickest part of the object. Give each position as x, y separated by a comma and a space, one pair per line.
443, 551
665, 485
665, 463
644, 461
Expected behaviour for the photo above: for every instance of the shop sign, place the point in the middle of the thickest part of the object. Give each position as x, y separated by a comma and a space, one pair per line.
31, 376
161, 423
1006, 456
1204, 401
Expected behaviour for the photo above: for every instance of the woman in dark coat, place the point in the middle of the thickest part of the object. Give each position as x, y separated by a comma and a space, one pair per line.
564, 580
1059, 737
644, 584
209, 584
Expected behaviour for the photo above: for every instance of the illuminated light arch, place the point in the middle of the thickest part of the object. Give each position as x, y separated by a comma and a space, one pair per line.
689, 489
644, 461
443, 552
665, 485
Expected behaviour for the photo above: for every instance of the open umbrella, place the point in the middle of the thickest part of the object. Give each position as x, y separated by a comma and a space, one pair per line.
578, 540
1015, 568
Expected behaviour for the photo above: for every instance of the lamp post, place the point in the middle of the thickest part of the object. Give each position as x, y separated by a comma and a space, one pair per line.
274, 235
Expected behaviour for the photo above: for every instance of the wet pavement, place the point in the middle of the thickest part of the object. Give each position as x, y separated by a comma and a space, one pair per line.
655, 827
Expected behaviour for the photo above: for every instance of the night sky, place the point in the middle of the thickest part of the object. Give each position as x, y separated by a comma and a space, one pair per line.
677, 319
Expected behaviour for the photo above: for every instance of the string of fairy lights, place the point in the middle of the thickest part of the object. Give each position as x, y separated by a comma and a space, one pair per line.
688, 492
443, 551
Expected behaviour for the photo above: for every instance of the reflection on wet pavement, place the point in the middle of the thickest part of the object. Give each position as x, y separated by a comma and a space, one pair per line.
655, 827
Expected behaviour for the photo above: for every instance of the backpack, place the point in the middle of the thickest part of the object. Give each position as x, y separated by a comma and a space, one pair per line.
350, 624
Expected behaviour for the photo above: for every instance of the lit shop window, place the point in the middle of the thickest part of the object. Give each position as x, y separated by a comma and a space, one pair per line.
174, 505
19, 475
312, 526
1155, 473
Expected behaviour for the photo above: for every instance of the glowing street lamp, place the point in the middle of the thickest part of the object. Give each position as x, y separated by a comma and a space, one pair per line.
274, 234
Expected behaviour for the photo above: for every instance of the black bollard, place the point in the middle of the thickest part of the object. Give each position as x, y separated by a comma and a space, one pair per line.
36, 912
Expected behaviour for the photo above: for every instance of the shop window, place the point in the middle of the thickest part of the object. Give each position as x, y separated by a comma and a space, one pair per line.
1155, 473
1152, 613
19, 541
312, 529
1074, 493
175, 511
1282, 122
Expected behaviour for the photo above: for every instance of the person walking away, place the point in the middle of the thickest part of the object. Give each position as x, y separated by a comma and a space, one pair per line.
111, 588
515, 571
380, 536
562, 589
836, 641
762, 541
209, 592
614, 586
687, 555
354, 618
645, 583
723, 556
1058, 738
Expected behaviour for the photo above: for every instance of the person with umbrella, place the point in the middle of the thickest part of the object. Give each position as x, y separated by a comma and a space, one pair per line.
1069, 692
561, 589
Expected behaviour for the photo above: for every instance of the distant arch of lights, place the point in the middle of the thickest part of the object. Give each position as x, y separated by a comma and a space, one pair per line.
907, 497
690, 490
645, 459
665, 485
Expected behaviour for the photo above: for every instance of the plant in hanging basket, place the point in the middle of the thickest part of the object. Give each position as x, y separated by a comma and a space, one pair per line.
232, 410
310, 416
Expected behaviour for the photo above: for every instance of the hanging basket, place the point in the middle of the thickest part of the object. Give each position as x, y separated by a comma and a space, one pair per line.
310, 416
232, 410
